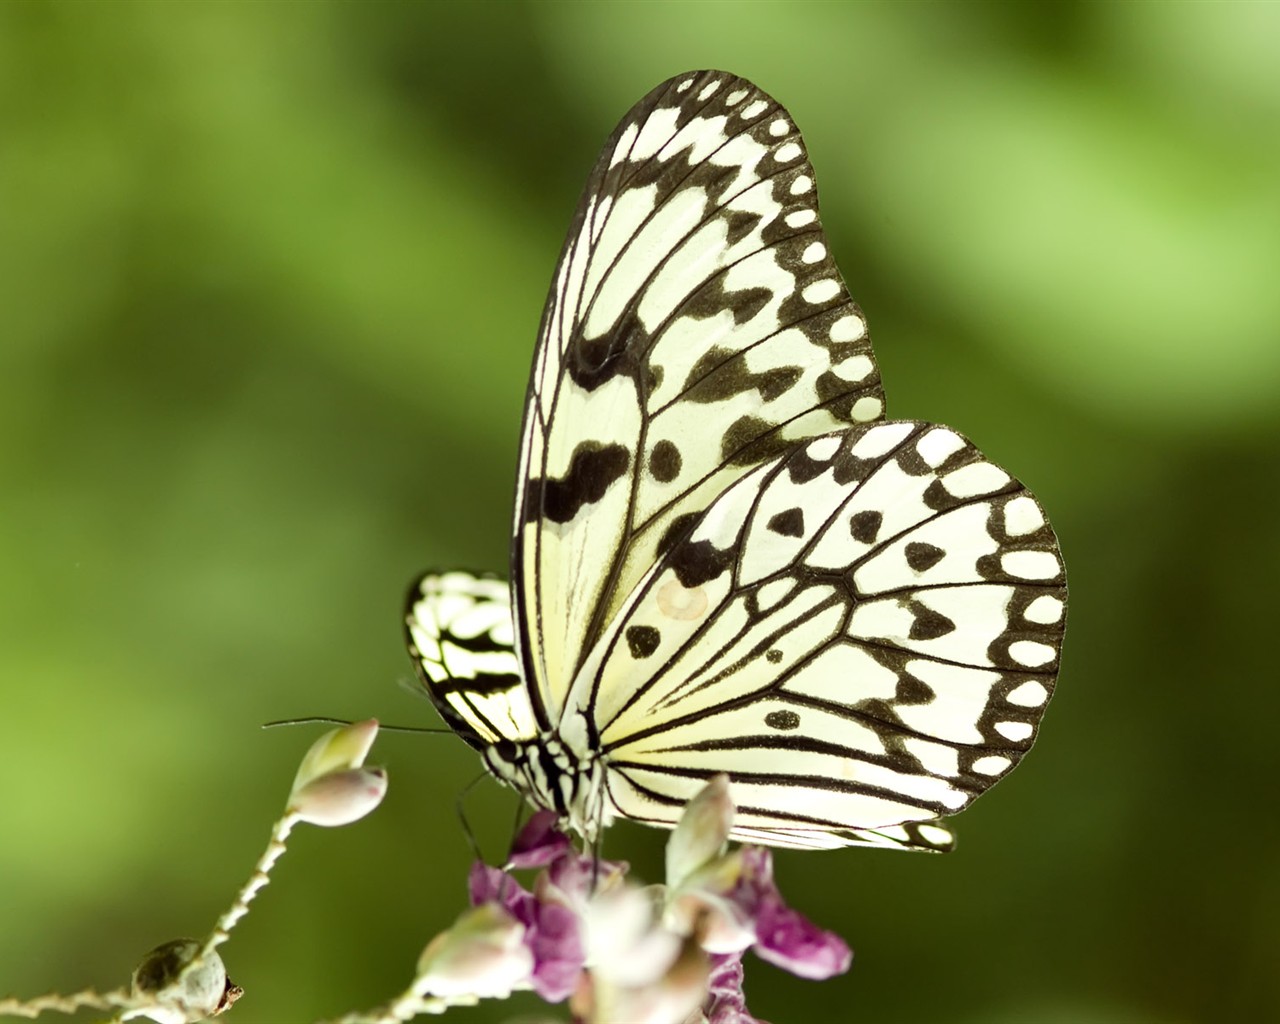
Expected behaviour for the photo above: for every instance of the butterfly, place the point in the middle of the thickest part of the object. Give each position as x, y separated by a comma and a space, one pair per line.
723, 557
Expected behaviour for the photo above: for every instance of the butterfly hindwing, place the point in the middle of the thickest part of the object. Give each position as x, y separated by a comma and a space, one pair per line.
862, 633
696, 326
459, 632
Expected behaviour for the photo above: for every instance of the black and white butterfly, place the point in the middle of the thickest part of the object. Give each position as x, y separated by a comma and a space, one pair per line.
723, 558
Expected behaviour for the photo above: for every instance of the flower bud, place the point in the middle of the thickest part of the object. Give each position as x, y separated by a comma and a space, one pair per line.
708, 904
339, 798
482, 955
336, 751
702, 831
172, 989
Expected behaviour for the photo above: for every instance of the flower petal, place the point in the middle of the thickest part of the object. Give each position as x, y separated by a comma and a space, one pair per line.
791, 941
555, 939
726, 1003
539, 842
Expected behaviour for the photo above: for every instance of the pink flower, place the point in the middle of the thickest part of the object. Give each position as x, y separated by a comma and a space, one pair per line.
552, 932
653, 954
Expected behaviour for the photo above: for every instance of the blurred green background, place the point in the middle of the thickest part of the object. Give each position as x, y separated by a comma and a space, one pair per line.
270, 276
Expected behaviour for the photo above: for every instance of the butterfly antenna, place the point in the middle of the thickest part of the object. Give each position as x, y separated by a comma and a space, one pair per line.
325, 720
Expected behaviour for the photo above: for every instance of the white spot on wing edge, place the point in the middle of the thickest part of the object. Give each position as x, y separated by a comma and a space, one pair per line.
1030, 565
801, 185
937, 445
1031, 694
821, 291
799, 218
1022, 516
867, 408
1031, 653
813, 253
990, 765
1015, 731
1045, 609
855, 368
779, 128
786, 153
754, 109
848, 328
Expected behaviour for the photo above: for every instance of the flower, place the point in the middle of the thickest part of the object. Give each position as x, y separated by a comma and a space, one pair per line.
663, 954
552, 933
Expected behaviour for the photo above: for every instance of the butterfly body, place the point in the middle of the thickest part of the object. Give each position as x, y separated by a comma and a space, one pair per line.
724, 559
554, 776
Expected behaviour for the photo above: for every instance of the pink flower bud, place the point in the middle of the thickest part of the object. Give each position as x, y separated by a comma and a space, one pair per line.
707, 903
337, 751
702, 831
482, 955
339, 798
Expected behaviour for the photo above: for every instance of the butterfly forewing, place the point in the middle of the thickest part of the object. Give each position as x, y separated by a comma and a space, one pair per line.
863, 633
696, 327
